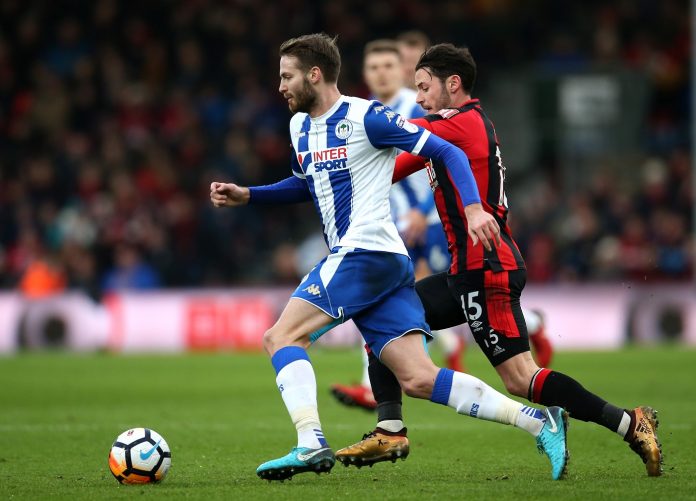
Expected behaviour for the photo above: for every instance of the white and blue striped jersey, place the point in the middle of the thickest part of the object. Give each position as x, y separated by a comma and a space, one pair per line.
347, 158
414, 189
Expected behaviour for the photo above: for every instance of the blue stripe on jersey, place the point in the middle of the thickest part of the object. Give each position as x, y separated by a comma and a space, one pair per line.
303, 140
303, 144
341, 180
342, 187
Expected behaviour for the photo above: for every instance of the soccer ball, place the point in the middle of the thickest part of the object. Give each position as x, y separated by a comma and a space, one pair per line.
139, 456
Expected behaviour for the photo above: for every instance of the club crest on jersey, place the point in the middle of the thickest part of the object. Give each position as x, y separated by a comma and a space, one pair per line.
343, 129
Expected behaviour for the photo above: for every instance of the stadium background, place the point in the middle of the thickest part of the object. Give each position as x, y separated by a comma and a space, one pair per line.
115, 117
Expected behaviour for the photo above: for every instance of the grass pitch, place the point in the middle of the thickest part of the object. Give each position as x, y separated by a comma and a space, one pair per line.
222, 416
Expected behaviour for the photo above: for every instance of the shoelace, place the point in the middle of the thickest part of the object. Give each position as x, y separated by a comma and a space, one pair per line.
369, 435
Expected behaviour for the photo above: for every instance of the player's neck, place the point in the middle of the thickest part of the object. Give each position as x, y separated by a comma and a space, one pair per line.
459, 99
325, 100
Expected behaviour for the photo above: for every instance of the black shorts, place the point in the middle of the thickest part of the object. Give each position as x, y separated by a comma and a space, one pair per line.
492, 305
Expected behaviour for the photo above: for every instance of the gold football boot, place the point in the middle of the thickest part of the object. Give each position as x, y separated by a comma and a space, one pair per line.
375, 447
643, 440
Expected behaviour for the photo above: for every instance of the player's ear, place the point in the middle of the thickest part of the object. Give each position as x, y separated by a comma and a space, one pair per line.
314, 74
454, 83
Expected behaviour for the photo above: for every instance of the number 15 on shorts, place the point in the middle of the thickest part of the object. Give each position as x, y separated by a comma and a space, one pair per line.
473, 311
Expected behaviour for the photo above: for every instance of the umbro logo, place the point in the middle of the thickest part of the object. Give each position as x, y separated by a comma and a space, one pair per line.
313, 290
476, 324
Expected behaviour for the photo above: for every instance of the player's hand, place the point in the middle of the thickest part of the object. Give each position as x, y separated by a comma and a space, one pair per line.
416, 225
482, 226
228, 194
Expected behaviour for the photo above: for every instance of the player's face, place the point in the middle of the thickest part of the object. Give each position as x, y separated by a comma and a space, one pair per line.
432, 95
383, 74
295, 87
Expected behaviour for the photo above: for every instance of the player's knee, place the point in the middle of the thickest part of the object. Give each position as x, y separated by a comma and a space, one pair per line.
417, 385
275, 339
270, 341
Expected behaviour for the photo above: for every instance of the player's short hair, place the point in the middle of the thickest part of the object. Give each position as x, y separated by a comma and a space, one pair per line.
414, 38
317, 49
382, 45
444, 60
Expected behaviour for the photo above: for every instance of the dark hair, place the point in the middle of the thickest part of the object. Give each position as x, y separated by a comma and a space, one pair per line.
317, 49
444, 60
382, 45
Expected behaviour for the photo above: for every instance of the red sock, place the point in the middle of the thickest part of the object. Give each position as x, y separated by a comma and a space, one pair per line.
536, 385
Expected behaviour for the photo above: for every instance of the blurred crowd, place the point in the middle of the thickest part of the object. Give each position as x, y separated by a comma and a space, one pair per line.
115, 116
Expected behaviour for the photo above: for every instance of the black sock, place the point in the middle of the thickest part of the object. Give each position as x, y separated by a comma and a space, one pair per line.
559, 389
386, 389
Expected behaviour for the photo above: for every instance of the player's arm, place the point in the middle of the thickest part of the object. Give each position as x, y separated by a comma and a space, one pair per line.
290, 190
482, 226
385, 130
407, 164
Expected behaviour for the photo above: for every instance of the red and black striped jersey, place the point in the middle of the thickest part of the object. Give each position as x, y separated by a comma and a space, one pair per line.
468, 128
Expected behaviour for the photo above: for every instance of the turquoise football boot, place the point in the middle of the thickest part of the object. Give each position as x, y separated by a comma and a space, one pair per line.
300, 460
552, 440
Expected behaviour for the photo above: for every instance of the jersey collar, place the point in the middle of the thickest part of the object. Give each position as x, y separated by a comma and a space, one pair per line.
468, 102
330, 111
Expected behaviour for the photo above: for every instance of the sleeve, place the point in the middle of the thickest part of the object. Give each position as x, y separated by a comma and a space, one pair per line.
387, 129
288, 191
457, 165
406, 164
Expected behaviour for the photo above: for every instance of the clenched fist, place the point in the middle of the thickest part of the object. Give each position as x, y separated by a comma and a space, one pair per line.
228, 194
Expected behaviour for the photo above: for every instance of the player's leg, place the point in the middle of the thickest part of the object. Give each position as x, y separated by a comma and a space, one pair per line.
404, 353
468, 395
494, 302
325, 295
452, 344
286, 343
441, 310
389, 439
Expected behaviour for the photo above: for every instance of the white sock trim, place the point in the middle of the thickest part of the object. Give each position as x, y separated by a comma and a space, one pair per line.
392, 425
624, 425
